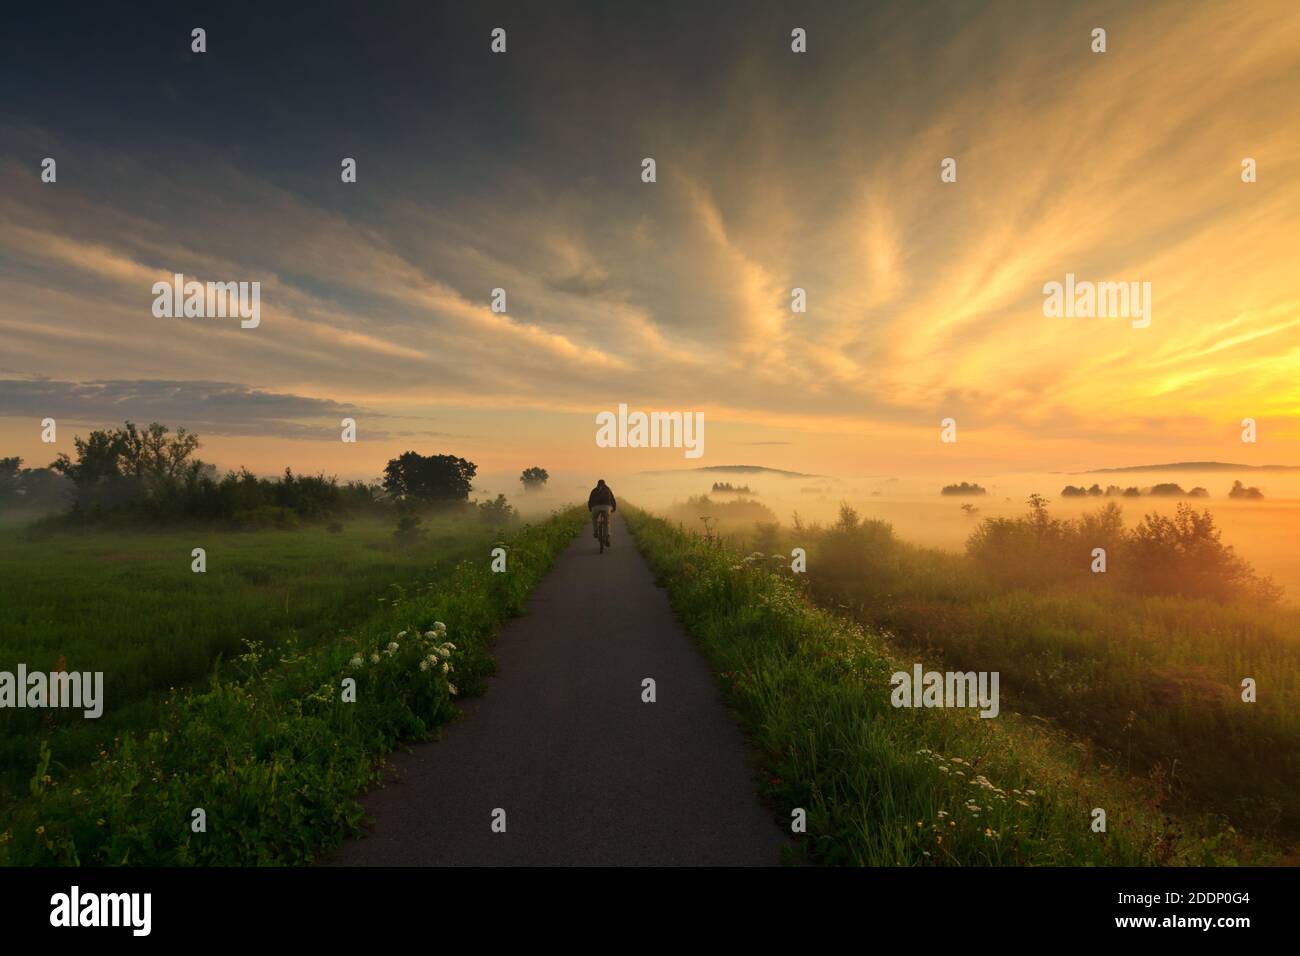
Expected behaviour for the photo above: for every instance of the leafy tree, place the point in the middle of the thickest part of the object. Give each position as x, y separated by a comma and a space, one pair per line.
534, 478
97, 459
429, 478
148, 455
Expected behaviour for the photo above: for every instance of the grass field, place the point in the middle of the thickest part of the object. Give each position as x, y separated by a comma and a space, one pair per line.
1155, 680
263, 742
128, 604
887, 786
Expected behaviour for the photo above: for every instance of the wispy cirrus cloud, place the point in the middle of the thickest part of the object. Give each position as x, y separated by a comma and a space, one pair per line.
775, 171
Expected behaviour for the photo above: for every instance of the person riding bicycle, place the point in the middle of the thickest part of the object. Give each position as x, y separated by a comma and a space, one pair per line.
600, 499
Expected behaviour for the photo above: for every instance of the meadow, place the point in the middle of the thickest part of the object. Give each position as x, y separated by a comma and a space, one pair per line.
889, 787
223, 688
127, 603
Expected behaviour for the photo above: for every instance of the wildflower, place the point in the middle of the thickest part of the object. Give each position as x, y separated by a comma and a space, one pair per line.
445, 667
424, 665
40, 830
430, 635
941, 814
440, 627
1031, 792
452, 687
374, 658
356, 661
400, 635
1023, 803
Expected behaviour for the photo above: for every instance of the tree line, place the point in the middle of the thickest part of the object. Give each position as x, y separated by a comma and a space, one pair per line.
153, 473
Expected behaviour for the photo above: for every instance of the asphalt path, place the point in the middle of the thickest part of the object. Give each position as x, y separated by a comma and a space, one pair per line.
586, 772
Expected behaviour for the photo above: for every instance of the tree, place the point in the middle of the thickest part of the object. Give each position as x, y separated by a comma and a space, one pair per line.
1241, 491
148, 455
429, 478
534, 478
9, 472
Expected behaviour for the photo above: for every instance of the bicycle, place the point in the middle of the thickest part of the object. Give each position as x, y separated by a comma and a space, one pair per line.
602, 529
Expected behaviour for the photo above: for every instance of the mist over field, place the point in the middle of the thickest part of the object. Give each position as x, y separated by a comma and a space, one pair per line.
1261, 531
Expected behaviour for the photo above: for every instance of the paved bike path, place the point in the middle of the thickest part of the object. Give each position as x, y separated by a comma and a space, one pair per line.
586, 772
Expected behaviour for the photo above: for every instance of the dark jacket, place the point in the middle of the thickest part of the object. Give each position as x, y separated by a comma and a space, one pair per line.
601, 495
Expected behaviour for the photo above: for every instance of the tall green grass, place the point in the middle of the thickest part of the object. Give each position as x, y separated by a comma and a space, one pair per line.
1155, 680
898, 787
269, 749
127, 603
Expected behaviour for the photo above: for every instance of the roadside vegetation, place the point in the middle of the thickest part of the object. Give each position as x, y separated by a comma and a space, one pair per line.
1111, 699
266, 745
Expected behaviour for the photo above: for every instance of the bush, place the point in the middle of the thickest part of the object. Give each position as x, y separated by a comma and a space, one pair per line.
496, 512
1182, 555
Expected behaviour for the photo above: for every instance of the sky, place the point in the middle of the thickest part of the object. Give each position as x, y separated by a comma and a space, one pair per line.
774, 170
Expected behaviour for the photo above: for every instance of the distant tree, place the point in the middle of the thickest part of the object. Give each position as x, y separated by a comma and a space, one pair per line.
1168, 489
9, 469
1131, 492
429, 478
1095, 490
498, 511
1073, 491
97, 459
963, 489
1198, 492
148, 455
727, 488
534, 479
1241, 491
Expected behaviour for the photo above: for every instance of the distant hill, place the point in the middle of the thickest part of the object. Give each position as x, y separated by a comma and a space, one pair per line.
1193, 466
734, 470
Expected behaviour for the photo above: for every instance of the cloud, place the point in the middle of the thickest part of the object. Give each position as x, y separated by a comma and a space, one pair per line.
775, 171
203, 407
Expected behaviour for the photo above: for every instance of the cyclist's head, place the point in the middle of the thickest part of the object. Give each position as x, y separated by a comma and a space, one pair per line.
600, 481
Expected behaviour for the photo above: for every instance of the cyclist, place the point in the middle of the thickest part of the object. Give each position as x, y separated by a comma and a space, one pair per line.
600, 499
